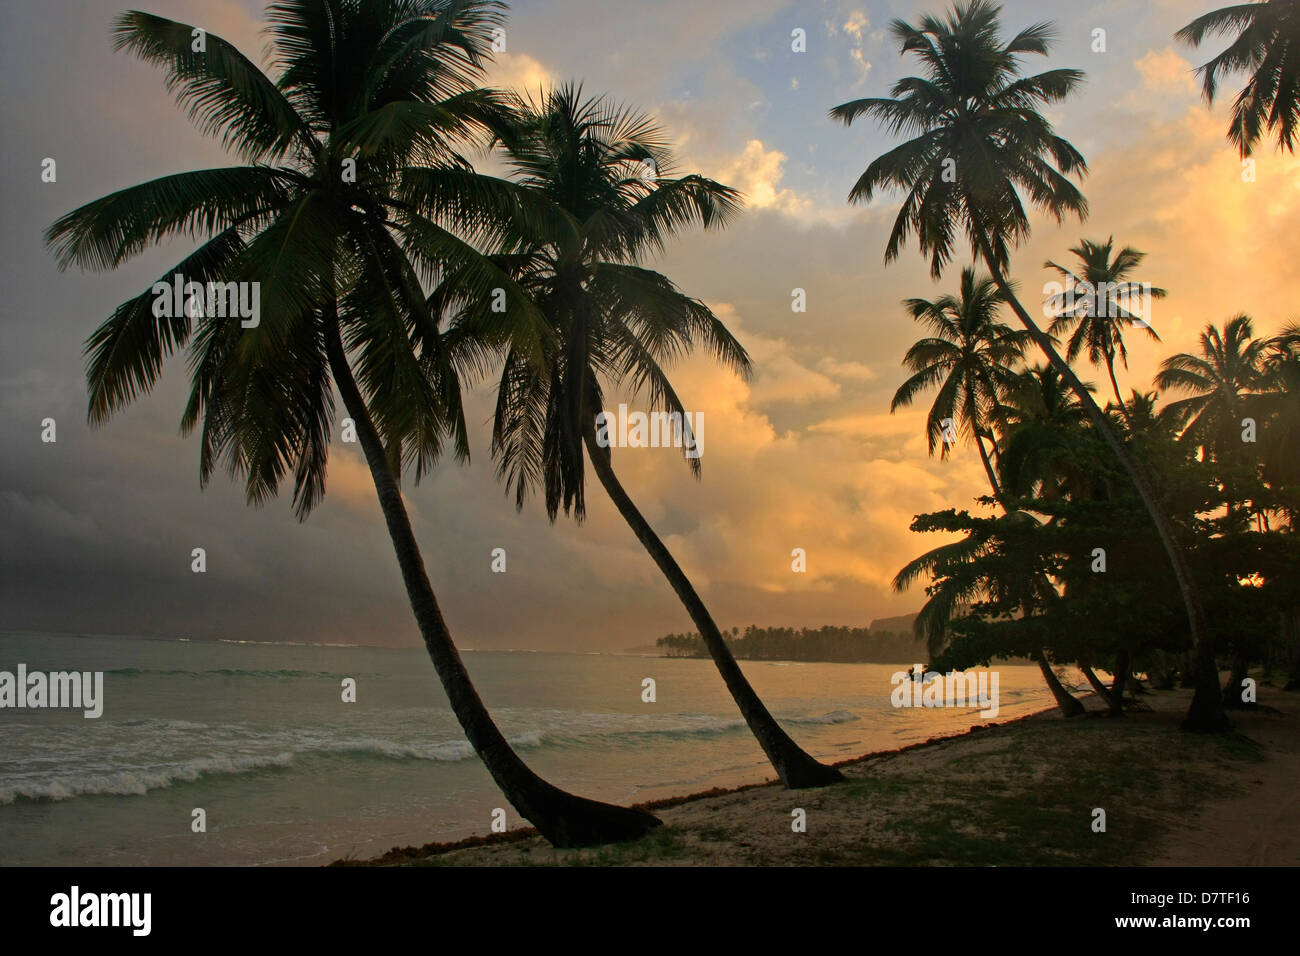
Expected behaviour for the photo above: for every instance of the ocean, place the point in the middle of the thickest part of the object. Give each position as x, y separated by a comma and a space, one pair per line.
258, 737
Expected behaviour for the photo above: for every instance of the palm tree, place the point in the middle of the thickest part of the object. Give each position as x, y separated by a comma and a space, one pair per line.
959, 582
1040, 420
1267, 46
969, 356
1096, 326
979, 142
1229, 368
1225, 379
390, 86
604, 174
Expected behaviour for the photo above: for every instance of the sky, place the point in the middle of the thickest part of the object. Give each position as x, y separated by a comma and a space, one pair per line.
97, 528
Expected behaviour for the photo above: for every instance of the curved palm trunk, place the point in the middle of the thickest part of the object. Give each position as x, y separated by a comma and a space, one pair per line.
1069, 704
1206, 711
1098, 688
563, 818
988, 469
793, 765
1114, 385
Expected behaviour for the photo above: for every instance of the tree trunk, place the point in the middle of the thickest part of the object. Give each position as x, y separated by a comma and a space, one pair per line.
1206, 712
1070, 706
1116, 696
793, 765
563, 818
988, 469
1098, 688
1233, 690
1123, 409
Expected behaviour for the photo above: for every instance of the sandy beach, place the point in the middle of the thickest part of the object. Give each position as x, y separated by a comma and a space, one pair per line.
1018, 793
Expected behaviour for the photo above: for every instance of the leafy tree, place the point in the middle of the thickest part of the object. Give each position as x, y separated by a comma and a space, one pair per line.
1267, 47
600, 176
979, 143
969, 355
389, 85
1099, 316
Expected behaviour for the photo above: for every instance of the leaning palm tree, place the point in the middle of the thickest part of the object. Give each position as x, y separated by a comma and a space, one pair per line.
350, 182
603, 174
969, 356
1098, 325
979, 144
1267, 46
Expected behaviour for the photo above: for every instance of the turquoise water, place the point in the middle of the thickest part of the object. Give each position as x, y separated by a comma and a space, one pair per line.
257, 735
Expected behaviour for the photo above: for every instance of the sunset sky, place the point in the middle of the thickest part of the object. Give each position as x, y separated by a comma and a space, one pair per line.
96, 530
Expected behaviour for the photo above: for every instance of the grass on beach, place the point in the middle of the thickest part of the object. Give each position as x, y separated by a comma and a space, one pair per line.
1016, 794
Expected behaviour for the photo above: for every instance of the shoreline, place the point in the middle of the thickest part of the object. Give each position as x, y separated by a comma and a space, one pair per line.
1019, 792
439, 848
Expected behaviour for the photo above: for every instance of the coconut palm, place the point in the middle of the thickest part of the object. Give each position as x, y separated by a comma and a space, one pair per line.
1040, 420
1225, 380
605, 175
1222, 378
969, 356
1267, 47
979, 144
351, 181
1097, 318
962, 577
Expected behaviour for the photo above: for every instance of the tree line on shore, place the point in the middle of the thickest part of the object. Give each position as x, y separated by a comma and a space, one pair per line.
829, 643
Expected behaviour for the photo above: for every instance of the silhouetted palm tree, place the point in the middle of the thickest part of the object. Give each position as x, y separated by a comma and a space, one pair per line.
978, 143
1103, 311
1228, 370
352, 189
960, 580
969, 356
602, 175
1040, 420
1267, 46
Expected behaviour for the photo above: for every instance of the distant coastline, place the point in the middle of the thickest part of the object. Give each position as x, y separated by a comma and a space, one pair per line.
828, 644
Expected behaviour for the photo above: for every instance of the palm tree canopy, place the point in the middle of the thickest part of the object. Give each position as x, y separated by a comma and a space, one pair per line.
386, 85
979, 141
602, 179
1267, 47
1041, 421
969, 355
1229, 367
1098, 326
